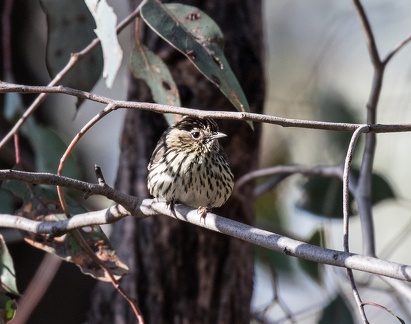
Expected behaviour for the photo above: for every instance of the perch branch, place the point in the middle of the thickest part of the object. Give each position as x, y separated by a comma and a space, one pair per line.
216, 223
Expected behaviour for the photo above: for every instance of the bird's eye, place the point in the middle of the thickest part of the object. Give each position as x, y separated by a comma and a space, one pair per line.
195, 135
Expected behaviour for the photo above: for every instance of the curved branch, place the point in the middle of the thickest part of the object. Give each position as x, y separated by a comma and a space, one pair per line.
346, 183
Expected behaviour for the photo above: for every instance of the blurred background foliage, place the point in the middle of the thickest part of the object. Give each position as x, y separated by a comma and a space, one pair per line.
317, 68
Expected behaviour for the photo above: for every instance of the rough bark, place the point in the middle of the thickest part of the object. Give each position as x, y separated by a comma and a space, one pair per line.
181, 273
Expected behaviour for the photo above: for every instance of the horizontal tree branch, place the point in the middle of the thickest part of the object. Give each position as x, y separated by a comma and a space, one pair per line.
285, 122
253, 235
143, 208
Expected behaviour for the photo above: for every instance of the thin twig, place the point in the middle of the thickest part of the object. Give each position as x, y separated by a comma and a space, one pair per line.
396, 49
369, 35
357, 296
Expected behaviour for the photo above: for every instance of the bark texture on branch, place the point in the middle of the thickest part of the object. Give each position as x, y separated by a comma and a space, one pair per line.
181, 273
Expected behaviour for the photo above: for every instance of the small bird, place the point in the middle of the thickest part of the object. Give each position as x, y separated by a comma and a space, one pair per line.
189, 166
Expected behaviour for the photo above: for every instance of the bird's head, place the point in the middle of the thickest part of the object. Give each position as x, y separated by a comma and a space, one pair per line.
194, 133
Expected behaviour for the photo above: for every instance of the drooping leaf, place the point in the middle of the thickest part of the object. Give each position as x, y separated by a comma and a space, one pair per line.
7, 273
106, 21
313, 269
198, 37
69, 249
149, 67
337, 312
41, 203
70, 29
323, 196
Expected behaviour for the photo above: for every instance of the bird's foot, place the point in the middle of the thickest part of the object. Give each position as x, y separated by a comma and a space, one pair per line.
203, 211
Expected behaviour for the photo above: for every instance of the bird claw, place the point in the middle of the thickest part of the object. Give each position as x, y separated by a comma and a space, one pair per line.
202, 211
170, 205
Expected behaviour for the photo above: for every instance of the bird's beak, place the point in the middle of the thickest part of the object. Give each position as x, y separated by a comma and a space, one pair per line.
218, 135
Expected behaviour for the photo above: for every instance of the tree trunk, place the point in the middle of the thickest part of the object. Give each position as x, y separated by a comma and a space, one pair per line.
180, 273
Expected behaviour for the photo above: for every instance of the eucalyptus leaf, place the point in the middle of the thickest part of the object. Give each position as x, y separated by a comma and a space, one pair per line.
69, 249
198, 37
147, 66
106, 21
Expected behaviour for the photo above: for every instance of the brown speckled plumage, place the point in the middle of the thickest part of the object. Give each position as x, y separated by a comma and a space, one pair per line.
189, 166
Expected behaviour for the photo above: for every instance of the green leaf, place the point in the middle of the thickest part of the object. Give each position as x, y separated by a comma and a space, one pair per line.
106, 21
149, 67
313, 269
7, 272
336, 312
8, 308
70, 29
323, 196
199, 38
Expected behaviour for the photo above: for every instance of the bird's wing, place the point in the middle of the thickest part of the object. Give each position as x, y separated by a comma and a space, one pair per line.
158, 153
